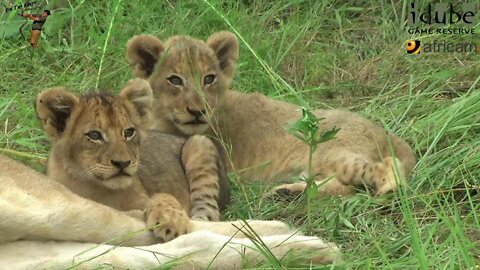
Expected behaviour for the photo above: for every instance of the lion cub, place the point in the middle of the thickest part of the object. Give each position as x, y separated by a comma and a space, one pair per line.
191, 89
102, 150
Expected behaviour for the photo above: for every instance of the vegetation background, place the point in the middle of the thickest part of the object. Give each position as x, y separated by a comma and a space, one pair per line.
325, 54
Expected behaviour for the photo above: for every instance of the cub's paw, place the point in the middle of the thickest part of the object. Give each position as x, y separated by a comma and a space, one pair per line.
393, 175
288, 192
166, 217
205, 213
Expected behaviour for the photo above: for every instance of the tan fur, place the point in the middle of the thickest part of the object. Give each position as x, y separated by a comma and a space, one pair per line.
202, 167
75, 158
181, 173
255, 126
34, 210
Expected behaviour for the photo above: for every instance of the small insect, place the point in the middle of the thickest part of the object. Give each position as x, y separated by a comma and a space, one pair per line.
38, 21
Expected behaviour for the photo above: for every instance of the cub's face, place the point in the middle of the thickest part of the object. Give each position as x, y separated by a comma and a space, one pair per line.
188, 76
97, 136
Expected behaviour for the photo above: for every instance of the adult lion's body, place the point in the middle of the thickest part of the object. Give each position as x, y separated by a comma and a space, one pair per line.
43, 225
34, 207
190, 88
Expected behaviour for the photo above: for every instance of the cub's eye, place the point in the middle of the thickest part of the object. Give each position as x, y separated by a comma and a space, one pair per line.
209, 79
175, 80
129, 133
94, 135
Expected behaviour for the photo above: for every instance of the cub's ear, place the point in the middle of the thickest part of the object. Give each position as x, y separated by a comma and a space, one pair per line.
139, 94
225, 46
143, 53
54, 106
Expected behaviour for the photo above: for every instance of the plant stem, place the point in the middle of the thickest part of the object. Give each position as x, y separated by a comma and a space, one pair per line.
309, 187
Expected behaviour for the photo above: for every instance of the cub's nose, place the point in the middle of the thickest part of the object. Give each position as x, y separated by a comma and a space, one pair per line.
120, 164
196, 113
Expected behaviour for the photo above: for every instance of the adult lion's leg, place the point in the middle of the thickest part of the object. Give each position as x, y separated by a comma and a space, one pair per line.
168, 220
32, 206
239, 229
197, 250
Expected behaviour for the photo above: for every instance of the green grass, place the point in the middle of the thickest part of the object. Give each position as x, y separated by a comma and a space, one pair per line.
325, 53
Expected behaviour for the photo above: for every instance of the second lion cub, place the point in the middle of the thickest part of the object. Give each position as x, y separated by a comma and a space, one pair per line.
191, 81
101, 143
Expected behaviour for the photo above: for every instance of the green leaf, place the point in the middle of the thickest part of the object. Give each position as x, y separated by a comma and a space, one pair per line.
328, 135
312, 191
